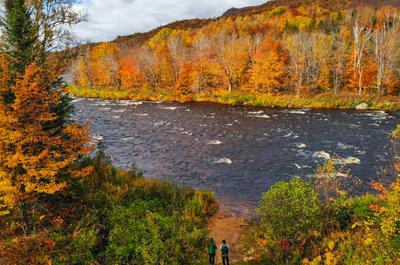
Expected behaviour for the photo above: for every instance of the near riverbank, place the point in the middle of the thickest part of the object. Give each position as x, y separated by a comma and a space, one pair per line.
321, 101
226, 226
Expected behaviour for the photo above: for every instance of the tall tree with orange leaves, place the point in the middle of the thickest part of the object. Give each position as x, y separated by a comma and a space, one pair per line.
269, 69
233, 56
37, 139
32, 154
131, 77
186, 80
104, 64
361, 39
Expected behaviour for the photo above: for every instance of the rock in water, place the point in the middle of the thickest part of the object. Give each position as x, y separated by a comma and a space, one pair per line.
362, 106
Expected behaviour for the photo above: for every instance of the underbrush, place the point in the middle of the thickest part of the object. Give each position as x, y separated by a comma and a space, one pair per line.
297, 226
112, 216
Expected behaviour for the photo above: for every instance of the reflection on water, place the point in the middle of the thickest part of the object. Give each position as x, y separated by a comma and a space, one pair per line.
238, 152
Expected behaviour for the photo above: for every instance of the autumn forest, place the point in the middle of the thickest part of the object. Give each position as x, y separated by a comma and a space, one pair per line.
301, 50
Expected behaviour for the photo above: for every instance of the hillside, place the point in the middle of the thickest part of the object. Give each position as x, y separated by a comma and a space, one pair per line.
293, 4
322, 54
140, 38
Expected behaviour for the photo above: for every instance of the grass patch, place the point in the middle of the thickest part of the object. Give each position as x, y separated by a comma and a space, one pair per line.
322, 101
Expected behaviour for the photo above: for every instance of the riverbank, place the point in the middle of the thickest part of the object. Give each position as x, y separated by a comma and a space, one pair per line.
226, 226
321, 101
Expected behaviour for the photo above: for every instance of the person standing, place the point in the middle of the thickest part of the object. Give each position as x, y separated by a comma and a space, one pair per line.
224, 253
212, 251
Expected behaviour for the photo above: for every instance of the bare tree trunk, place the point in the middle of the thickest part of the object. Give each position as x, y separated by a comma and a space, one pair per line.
386, 46
360, 83
361, 36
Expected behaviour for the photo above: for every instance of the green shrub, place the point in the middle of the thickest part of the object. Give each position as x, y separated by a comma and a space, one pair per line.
86, 238
289, 209
140, 235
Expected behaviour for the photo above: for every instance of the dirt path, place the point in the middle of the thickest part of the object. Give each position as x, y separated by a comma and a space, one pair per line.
227, 227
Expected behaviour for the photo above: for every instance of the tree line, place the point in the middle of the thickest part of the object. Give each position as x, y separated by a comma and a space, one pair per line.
308, 50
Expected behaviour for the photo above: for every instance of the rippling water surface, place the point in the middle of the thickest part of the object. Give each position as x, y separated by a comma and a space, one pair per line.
237, 152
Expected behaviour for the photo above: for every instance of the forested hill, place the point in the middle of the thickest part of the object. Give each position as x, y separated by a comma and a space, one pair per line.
140, 38
334, 5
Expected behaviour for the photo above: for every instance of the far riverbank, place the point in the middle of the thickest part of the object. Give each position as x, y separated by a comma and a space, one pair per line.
321, 101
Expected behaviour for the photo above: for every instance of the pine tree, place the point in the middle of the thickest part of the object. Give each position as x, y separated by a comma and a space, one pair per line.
22, 47
19, 41
20, 36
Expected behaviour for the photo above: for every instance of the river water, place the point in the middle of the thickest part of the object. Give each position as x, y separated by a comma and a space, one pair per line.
238, 152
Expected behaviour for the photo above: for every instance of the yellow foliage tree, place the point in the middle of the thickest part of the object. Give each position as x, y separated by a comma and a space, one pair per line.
32, 150
391, 212
269, 69
131, 77
232, 52
104, 65
186, 80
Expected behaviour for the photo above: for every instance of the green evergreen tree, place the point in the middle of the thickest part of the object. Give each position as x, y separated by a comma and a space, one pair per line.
20, 36
19, 40
23, 47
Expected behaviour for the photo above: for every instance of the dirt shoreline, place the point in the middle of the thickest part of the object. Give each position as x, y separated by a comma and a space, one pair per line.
226, 226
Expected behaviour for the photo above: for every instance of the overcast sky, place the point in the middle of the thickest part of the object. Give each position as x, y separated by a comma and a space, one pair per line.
111, 18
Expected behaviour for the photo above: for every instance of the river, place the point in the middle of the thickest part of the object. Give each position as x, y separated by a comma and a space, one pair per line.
236, 151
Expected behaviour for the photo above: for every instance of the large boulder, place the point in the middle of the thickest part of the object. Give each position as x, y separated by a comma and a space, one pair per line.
362, 106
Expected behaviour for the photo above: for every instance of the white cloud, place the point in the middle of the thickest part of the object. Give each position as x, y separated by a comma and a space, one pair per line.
111, 18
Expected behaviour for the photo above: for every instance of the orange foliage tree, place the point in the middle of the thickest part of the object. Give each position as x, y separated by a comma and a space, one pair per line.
33, 152
233, 57
269, 69
206, 67
129, 74
185, 83
104, 65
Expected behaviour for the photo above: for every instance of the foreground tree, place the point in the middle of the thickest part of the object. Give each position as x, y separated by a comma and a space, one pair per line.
37, 139
32, 153
52, 20
20, 36
289, 209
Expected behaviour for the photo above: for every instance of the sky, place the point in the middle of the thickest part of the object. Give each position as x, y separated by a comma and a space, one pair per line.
111, 18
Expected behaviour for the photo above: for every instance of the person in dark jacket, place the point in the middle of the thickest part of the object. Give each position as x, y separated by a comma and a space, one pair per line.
224, 253
212, 251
